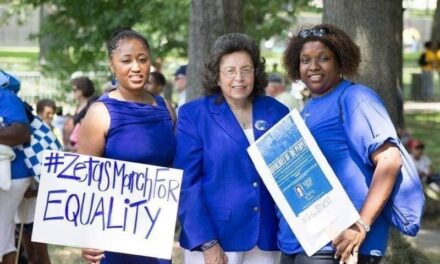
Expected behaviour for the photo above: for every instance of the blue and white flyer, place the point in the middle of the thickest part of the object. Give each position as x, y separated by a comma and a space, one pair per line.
302, 183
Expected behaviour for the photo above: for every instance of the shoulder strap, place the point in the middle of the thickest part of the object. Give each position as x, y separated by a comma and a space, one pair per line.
160, 100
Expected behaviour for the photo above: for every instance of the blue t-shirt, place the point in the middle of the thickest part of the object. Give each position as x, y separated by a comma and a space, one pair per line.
12, 111
349, 126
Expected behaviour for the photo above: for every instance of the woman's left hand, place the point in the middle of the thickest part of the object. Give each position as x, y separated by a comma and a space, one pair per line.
348, 242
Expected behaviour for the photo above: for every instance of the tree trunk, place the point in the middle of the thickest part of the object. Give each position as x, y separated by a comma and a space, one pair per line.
209, 19
376, 26
435, 34
46, 39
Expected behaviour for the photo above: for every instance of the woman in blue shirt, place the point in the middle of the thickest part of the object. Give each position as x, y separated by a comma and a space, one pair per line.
352, 127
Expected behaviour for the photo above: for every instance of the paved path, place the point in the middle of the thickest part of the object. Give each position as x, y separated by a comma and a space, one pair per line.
410, 106
427, 240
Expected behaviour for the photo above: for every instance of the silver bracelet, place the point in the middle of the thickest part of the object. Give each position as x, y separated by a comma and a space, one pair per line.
364, 225
209, 244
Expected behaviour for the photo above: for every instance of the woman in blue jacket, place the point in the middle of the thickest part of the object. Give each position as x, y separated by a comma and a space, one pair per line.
226, 213
353, 130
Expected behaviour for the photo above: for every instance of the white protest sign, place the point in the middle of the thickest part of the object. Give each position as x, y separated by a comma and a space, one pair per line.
302, 183
92, 202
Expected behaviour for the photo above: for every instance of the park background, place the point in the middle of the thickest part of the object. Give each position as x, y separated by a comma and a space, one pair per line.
46, 43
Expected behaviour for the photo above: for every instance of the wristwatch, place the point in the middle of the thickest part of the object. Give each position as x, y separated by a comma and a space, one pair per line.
364, 225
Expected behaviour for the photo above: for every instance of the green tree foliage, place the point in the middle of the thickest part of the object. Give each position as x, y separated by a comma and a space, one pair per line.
264, 19
73, 32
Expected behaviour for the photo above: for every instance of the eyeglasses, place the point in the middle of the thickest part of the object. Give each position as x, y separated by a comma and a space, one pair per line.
316, 32
231, 73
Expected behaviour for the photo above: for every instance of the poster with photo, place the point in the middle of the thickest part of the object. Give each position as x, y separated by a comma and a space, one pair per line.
302, 183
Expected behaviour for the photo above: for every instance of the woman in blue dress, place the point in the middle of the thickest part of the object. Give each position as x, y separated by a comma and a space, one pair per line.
128, 123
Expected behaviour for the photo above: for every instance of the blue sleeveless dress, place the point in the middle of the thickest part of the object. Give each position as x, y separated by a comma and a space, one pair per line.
140, 133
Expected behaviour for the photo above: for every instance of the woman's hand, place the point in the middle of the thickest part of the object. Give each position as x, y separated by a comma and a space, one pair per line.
348, 242
92, 256
215, 255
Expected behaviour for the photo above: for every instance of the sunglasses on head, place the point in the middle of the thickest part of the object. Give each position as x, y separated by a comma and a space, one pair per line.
316, 32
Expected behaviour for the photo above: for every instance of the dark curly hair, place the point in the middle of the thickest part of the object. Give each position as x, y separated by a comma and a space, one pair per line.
227, 44
125, 33
347, 53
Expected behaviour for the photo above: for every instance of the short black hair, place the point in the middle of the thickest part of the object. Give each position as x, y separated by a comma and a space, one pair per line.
45, 103
125, 33
158, 78
275, 78
428, 45
227, 44
347, 53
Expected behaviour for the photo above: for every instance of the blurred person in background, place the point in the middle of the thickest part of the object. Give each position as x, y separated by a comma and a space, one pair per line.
276, 88
14, 131
83, 91
46, 109
428, 64
35, 252
155, 86
58, 121
423, 164
180, 82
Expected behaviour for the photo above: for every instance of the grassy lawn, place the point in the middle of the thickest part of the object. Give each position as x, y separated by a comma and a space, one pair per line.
19, 58
70, 255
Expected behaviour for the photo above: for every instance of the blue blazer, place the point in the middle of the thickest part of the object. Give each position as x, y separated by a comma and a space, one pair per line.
222, 194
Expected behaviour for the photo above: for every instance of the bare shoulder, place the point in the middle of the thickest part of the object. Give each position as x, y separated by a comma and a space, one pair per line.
94, 128
97, 116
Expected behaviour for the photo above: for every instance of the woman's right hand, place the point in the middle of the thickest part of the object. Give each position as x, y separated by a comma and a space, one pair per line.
92, 256
215, 255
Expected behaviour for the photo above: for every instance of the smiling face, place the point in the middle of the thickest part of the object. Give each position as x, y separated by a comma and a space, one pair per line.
47, 114
236, 78
318, 68
130, 62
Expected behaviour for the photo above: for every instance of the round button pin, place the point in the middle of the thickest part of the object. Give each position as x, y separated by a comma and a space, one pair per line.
261, 125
